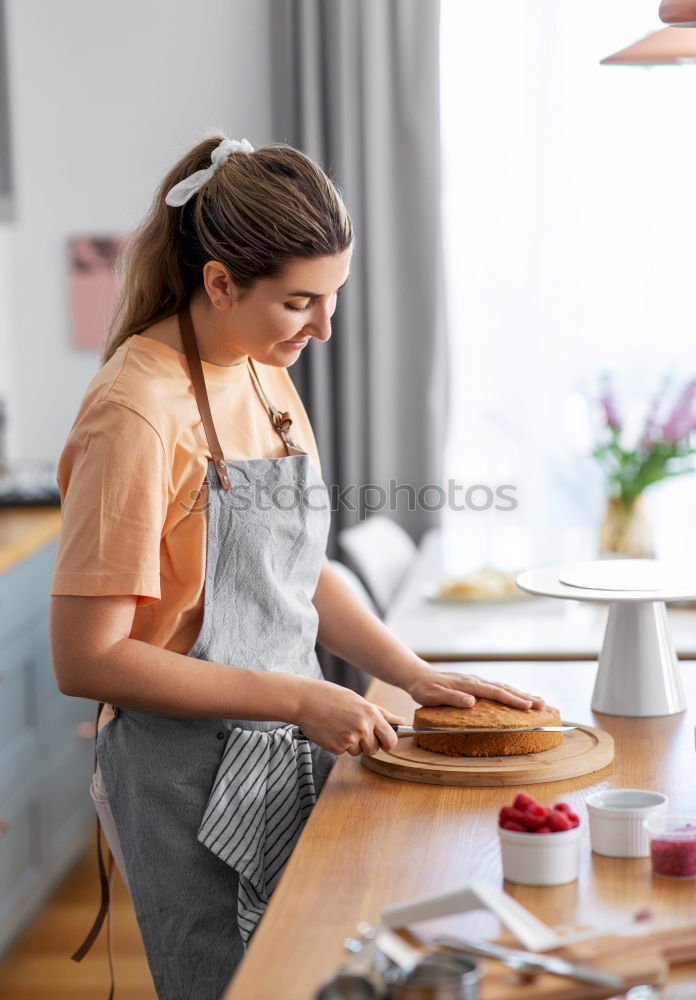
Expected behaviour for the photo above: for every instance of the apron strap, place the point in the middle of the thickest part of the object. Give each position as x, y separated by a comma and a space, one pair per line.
281, 420
188, 337
105, 874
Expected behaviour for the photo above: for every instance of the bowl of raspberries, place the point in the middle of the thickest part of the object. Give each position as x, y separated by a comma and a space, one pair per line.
539, 844
672, 845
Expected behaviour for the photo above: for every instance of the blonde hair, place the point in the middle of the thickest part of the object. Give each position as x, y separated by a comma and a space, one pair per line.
253, 215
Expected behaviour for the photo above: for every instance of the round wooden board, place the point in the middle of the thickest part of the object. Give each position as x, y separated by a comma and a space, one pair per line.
583, 751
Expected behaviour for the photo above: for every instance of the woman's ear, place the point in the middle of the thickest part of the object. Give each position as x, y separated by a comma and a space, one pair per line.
220, 288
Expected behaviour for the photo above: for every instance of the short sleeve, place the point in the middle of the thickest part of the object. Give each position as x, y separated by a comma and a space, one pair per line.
113, 477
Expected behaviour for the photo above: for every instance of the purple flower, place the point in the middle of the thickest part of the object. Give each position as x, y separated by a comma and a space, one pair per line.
611, 415
682, 419
651, 428
649, 434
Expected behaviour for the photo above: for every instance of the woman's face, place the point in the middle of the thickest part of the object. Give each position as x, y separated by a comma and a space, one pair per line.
278, 317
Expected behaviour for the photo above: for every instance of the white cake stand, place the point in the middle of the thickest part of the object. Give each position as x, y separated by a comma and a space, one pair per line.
638, 671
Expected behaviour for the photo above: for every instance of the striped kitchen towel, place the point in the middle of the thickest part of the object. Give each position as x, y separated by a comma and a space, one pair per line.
261, 798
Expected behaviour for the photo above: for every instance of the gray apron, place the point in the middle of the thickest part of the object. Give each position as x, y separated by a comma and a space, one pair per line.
267, 525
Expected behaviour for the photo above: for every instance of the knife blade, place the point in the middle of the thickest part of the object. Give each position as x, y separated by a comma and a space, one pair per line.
400, 731
528, 961
411, 730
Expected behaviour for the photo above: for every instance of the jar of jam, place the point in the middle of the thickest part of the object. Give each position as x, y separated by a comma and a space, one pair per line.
672, 845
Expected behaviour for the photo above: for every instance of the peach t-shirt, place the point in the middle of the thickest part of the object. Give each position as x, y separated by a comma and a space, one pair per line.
133, 501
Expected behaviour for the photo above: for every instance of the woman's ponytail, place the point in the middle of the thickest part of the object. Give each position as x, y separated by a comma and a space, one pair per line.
254, 214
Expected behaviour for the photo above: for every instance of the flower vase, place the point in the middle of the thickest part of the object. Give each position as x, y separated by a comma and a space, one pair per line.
626, 529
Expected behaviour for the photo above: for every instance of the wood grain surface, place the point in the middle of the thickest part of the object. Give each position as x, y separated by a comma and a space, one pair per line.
371, 841
583, 751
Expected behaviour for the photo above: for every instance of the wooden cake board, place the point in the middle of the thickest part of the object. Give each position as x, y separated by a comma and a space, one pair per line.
583, 751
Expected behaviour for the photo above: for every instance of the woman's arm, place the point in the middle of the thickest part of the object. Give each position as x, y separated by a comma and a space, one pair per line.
351, 631
94, 657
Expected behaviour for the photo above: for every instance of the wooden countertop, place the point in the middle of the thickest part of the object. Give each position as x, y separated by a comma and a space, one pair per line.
24, 530
371, 841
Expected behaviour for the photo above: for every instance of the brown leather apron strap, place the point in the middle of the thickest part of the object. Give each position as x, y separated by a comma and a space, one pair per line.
188, 337
105, 873
281, 420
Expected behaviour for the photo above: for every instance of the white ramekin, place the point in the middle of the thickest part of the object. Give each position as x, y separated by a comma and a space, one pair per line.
540, 858
617, 818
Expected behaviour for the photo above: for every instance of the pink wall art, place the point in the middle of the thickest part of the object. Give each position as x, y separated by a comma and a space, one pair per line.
94, 286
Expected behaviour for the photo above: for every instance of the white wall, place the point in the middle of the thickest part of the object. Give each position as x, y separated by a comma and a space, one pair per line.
104, 98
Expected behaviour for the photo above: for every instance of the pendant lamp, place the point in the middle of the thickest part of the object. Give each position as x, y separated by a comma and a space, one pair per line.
681, 13
667, 47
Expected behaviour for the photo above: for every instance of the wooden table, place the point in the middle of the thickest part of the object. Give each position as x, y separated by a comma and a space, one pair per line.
371, 841
533, 628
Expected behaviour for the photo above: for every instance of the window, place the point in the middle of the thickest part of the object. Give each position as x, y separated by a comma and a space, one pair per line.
569, 220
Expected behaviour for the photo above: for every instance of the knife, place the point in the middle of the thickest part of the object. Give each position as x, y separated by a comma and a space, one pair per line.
411, 731
529, 962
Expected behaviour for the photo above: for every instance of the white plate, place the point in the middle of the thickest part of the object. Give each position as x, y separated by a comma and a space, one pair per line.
630, 574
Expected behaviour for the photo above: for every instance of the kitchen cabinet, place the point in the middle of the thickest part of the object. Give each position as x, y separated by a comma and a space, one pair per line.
46, 738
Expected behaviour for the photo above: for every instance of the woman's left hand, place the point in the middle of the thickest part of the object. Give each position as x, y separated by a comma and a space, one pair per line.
434, 687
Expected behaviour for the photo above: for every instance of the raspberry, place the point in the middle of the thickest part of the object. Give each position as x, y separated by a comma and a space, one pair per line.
543, 829
558, 821
510, 824
535, 816
574, 819
522, 800
510, 813
563, 807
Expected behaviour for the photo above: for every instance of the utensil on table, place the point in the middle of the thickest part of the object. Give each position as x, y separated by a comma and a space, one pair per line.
383, 966
439, 976
528, 963
361, 977
418, 975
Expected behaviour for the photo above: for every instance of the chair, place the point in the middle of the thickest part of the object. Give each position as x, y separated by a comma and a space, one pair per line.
381, 552
354, 583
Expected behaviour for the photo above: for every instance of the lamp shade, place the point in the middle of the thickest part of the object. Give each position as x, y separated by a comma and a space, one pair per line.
679, 12
667, 47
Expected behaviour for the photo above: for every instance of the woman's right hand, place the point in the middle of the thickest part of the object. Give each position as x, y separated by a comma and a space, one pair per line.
340, 720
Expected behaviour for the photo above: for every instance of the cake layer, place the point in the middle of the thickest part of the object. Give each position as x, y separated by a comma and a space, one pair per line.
486, 714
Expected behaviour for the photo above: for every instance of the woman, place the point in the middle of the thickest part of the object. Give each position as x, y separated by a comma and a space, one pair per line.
190, 588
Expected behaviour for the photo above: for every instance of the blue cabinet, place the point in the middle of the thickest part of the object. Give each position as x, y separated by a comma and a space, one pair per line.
46, 752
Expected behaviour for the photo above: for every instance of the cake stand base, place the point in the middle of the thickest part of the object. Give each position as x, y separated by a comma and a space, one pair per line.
638, 671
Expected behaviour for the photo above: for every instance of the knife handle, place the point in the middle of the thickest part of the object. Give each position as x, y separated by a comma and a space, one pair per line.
297, 733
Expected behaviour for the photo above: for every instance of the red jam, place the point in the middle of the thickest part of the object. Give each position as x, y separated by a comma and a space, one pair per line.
675, 858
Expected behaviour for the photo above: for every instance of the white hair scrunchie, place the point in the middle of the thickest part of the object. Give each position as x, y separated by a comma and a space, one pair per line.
181, 192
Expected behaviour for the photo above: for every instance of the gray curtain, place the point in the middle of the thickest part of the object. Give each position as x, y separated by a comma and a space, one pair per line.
356, 87
6, 193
